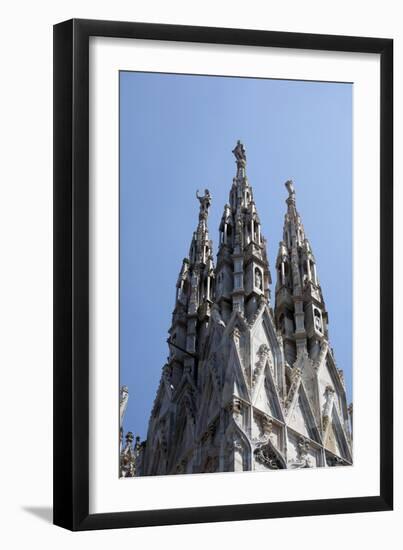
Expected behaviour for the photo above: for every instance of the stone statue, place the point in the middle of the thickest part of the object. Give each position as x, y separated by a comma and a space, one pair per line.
124, 397
283, 253
318, 323
239, 236
239, 151
205, 202
303, 460
258, 279
290, 187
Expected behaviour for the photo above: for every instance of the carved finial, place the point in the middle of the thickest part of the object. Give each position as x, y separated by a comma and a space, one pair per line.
239, 151
124, 390
291, 192
205, 203
290, 187
123, 400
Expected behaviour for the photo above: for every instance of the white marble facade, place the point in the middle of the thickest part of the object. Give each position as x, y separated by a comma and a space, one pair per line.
246, 386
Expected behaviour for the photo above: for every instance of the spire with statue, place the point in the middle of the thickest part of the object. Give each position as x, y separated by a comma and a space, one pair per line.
247, 386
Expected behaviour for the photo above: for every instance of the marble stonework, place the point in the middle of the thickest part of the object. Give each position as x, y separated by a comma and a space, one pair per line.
246, 386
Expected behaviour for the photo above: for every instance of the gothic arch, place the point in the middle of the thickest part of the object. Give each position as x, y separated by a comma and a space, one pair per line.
236, 439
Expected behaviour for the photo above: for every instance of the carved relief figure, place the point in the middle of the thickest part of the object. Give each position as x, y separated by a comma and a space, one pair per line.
258, 279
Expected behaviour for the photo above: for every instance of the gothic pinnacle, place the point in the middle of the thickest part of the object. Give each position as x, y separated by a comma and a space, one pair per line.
225, 341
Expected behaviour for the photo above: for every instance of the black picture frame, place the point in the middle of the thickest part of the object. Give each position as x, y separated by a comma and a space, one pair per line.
71, 274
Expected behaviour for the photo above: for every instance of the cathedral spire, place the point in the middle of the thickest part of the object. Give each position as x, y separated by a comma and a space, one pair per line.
234, 394
300, 308
243, 275
200, 248
241, 193
194, 295
194, 281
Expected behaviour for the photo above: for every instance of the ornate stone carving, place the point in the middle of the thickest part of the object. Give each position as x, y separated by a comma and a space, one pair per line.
238, 445
213, 373
263, 354
295, 380
258, 279
303, 460
128, 457
235, 408
290, 187
262, 305
123, 400
239, 151
205, 203
265, 425
334, 461
267, 455
167, 370
236, 335
327, 407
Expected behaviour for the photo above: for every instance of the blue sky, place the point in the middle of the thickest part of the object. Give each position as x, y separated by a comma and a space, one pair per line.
176, 136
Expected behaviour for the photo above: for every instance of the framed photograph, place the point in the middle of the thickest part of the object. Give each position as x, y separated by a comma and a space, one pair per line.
223, 264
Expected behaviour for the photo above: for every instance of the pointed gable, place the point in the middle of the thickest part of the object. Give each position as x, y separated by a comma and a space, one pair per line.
301, 418
265, 394
234, 382
298, 420
335, 438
